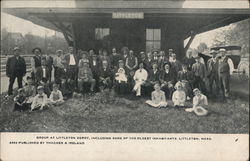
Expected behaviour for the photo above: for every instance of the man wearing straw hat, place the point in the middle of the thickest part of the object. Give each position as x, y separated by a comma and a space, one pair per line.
224, 72
15, 68
212, 72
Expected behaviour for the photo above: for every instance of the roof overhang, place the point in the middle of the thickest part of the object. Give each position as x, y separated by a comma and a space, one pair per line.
38, 12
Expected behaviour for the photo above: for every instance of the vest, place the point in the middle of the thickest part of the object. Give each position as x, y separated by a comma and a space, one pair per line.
37, 61
131, 61
224, 66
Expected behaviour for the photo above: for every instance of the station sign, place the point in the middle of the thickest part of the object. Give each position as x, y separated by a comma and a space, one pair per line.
128, 15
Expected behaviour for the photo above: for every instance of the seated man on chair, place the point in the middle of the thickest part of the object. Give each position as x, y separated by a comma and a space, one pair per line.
85, 75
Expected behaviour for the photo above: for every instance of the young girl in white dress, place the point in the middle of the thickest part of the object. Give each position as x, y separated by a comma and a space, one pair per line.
158, 97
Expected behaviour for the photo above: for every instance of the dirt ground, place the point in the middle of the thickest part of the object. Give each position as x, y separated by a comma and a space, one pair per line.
105, 112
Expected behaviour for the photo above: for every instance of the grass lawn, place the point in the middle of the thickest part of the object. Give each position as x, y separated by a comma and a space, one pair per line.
105, 112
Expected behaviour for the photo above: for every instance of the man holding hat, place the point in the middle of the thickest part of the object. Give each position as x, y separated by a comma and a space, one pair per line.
15, 68
212, 72
224, 72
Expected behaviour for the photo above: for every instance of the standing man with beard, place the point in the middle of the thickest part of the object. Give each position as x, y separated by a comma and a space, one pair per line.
224, 73
15, 68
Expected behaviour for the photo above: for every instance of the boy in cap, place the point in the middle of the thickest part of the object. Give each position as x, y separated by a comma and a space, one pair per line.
179, 96
20, 101
158, 98
40, 100
199, 102
212, 72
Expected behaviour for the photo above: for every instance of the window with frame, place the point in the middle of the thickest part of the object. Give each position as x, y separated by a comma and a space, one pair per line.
100, 33
153, 39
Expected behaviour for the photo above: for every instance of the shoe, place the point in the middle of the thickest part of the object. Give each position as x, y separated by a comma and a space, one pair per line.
189, 109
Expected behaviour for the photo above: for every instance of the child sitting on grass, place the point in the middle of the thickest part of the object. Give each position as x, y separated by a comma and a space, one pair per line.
158, 97
40, 100
179, 96
29, 90
46, 86
199, 102
56, 97
20, 101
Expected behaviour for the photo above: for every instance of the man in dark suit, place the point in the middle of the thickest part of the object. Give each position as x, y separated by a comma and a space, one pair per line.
43, 71
212, 73
15, 68
49, 62
154, 77
71, 64
148, 62
186, 77
105, 77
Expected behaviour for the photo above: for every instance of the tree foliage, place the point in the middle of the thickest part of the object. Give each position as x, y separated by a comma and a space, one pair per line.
236, 34
29, 41
202, 47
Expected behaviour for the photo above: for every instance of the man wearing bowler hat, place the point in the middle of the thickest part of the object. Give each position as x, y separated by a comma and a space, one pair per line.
224, 72
212, 72
15, 68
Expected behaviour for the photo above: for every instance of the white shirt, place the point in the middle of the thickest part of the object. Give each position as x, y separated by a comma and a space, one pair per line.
179, 98
72, 59
44, 72
94, 63
141, 75
200, 100
56, 96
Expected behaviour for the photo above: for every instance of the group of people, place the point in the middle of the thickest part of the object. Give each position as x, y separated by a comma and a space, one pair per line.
157, 73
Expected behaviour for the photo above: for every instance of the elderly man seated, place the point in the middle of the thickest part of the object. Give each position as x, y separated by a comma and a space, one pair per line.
85, 76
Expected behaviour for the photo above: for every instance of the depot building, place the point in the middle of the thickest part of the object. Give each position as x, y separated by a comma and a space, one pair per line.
138, 25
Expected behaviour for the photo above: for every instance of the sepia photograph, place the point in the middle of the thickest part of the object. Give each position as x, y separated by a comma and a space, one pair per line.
126, 66
124, 80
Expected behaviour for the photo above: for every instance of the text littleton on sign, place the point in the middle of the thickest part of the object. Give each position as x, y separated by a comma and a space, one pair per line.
127, 15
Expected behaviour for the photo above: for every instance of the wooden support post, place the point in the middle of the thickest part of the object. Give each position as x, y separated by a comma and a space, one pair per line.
189, 42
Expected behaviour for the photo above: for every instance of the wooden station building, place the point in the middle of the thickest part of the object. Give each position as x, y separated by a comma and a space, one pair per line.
136, 24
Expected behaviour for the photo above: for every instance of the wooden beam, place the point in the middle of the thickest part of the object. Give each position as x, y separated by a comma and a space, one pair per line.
189, 42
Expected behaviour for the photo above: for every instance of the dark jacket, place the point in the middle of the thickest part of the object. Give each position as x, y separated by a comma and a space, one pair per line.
49, 61
67, 58
105, 74
212, 67
148, 64
39, 73
188, 76
154, 76
95, 68
168, 77
15, 67
189, 62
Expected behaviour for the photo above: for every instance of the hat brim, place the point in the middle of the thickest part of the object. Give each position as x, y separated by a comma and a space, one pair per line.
200, 111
